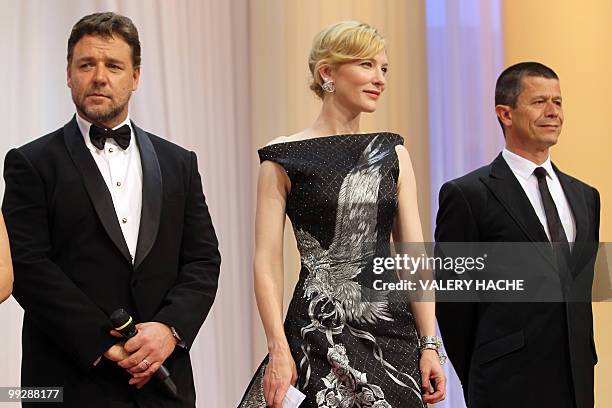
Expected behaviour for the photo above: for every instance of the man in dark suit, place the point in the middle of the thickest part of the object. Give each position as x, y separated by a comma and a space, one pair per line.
103, 215
536, 354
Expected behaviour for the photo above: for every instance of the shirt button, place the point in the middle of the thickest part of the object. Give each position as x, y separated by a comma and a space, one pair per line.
110, 150
118, 184
124, 220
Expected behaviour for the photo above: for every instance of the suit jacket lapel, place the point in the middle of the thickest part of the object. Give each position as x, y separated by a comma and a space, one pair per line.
579, 209
151, 196
507, 189
95, 185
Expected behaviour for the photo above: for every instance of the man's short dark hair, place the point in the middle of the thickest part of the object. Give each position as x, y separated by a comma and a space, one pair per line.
107, 24
508, 86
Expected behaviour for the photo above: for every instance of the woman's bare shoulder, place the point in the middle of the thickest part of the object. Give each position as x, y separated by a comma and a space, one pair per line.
304, 134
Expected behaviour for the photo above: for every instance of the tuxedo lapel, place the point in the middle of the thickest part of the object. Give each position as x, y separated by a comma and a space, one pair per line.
151, 196
95, 185
579, 210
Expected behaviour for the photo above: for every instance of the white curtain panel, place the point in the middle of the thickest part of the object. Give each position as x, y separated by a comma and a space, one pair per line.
194, 92
464, 58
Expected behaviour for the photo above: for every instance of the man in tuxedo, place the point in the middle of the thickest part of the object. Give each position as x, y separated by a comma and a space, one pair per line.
103, 215
535, 354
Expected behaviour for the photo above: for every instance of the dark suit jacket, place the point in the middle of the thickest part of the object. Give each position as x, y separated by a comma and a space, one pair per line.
72, 265
519, 354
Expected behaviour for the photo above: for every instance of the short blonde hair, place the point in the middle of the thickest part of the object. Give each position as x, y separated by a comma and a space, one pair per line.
339, 43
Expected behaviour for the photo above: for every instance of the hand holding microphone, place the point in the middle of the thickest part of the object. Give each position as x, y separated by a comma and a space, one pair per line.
149, 345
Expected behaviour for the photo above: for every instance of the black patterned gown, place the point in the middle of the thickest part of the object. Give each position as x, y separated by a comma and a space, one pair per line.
353, 347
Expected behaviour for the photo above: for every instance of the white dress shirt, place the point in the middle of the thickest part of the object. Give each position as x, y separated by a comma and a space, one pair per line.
523, 171
122, 172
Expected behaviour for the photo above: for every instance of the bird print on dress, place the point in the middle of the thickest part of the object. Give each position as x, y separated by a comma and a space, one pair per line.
335, 298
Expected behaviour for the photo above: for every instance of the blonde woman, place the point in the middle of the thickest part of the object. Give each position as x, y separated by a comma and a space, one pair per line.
6, 266
346, 194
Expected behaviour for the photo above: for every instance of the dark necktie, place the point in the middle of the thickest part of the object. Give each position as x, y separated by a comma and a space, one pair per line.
98, 136
555, 227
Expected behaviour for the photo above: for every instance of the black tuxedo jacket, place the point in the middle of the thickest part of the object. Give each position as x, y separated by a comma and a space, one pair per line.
519, 354
73, 268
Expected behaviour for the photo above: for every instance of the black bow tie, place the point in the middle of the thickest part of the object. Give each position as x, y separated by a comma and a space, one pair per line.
98, 136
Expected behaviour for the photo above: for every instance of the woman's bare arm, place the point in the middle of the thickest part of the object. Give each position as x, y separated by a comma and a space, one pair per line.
272, 188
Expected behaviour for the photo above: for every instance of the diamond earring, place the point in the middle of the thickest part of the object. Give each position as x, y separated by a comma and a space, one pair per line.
329, 86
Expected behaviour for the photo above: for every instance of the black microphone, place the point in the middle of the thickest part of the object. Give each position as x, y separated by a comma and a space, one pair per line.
125, 325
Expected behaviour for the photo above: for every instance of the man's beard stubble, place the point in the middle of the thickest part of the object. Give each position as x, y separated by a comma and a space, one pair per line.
101, 114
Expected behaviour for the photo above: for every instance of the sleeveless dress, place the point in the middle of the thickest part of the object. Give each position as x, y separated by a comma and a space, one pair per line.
353, 347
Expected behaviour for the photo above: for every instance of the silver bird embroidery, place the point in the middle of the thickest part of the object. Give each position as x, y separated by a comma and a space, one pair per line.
335, 297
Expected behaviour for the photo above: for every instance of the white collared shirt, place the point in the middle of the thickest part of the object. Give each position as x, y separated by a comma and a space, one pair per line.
122, 172
523, 171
